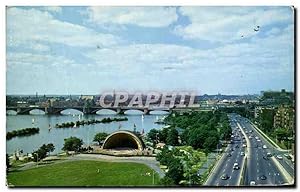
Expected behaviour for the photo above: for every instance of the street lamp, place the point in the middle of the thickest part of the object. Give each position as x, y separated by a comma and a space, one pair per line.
37, 158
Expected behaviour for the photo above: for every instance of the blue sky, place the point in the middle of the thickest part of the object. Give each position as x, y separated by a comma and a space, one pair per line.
89, 50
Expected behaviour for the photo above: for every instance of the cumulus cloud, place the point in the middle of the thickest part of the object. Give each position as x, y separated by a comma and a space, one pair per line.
52, 9
267, 54
227, 24
33, 25
140, 16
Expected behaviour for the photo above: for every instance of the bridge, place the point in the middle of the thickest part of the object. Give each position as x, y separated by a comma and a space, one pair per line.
93, 110
84, 110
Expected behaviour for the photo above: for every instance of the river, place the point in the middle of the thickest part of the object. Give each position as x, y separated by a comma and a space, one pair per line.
57, 135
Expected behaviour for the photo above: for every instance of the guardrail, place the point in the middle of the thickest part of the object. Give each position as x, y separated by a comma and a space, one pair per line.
266, 137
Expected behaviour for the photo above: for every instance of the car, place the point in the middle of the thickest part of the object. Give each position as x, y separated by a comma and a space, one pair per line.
287, 156
250, 137
265, 158
279, 157
251, 131
224, 177
252, 183
262, 177
258, 140
236, 146
232, 149
269, 155
244, 145
236, 166
229, 155
242, 154
264, 147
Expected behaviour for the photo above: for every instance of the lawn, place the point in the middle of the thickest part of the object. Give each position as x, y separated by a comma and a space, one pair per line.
85, 173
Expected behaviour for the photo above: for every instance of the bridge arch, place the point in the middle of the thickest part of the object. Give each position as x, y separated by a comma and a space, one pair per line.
11, 112
123, 140
133, 111
159, 112
70, 111
37, 111
106, 112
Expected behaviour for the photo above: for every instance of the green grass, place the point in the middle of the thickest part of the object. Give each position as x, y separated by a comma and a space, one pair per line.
84, 173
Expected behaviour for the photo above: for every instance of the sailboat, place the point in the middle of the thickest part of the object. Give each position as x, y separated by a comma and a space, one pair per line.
32, 122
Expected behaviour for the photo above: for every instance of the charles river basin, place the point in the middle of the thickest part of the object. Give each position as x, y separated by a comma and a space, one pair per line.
57, 135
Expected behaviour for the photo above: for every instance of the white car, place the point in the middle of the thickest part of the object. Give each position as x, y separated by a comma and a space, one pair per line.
242, 154
252, 183
279, 157
236, 166
244, 145
265, 147
258, 140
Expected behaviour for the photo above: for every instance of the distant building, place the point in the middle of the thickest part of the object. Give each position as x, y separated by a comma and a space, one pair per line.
87, 97
284, 118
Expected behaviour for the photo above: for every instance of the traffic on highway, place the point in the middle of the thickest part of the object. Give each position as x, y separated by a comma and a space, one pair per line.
250, 159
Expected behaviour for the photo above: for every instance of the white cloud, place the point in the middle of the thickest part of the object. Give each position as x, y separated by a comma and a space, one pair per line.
34, 26
21, 59
52, 9
141, 16
268, 55
227, 24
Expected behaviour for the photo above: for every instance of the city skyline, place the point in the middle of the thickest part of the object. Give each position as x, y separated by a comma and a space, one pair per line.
88, 50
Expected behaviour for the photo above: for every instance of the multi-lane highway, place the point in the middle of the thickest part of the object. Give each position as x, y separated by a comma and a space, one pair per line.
265, 165
224, 173
264, 160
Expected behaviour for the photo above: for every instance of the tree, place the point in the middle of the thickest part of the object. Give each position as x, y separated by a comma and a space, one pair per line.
210, 143
175, 171
152, 135
41, 153
166, 181
99, 137
172, 138
162, 135
281, 134
50, 147
8, 165
72, 144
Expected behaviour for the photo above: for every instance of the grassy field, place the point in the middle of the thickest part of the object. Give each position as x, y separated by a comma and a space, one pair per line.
85, 173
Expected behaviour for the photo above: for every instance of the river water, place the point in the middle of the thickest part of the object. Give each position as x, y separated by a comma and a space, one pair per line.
57, 135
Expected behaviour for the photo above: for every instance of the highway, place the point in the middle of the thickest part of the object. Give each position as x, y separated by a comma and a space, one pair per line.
232, 154
263, 167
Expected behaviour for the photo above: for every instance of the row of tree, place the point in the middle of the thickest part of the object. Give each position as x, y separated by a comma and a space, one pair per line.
22, 132
89, 122
201, 130
43, 151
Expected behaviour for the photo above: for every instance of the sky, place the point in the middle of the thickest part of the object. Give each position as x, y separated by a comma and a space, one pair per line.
90, 50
